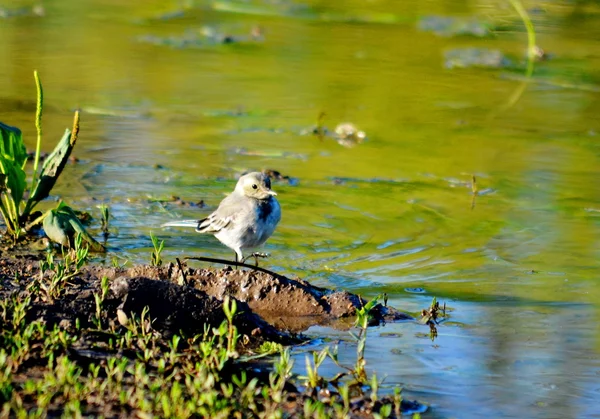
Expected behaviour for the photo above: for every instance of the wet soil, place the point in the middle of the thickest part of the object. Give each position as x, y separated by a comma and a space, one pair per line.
271, 307
184, 301
290, 305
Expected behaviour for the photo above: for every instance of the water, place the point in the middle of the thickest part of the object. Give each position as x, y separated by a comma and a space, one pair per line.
167, 111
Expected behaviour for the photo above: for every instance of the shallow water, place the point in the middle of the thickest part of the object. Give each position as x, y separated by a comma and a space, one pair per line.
168, 111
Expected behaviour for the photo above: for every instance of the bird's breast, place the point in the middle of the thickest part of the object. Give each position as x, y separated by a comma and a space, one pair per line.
268, 210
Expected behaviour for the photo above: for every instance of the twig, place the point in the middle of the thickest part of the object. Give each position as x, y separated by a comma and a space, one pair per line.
232, 263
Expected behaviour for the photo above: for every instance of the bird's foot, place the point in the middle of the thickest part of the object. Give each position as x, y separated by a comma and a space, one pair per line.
256, 255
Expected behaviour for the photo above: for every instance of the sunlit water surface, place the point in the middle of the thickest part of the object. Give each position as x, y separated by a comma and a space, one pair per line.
517, 266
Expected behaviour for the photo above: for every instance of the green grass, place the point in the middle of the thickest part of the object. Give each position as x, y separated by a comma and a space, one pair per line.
157, 248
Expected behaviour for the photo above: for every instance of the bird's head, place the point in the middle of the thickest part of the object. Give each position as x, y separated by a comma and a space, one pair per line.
255, 185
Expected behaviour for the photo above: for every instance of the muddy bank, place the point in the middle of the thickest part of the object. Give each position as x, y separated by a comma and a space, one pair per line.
270, 307
173, 302
291, 305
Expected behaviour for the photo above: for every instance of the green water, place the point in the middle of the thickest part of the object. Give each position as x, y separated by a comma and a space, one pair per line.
167, 112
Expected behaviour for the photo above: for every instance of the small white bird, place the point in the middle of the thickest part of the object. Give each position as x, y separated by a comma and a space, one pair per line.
245, 219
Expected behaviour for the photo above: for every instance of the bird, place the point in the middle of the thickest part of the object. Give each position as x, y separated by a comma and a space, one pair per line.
245, 219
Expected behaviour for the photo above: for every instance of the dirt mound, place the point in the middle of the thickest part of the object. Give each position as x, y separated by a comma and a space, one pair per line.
185, 300
288, 304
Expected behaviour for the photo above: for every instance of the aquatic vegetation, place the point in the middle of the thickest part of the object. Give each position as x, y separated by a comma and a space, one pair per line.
454, 26
62, 226
15, 207
301, 11
104, 220
158, 246
431, 316
205, 36
475, 57
11, 13
532, 50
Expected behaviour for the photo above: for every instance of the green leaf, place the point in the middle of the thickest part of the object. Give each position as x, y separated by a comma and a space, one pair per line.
372, 303
51, 169
11, 144
15, 179
62, 225
58, 229
13, 156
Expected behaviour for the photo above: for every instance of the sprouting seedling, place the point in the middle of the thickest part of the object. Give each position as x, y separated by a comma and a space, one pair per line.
105, 215
313, 379
119, 261
431, 315
156, 259
99, 300
82, 251
363, 316
230, 310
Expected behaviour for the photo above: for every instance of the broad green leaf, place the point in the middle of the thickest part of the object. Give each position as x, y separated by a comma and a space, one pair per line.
62, 225
58, 229
15, 178
52, 169
11, 144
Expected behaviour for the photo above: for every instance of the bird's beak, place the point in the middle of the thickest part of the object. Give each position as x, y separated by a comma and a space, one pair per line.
270, 192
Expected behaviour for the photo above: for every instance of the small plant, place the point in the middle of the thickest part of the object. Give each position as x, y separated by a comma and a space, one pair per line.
313, 380
99, 300
431, 316
230, 310
118, 261
267, 348
105, 216
81, 252
54, 275
13, 180
363, 315
6, 387
156, 259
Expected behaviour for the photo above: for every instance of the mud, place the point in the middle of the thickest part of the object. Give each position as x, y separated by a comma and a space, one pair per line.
291, 305
270, 307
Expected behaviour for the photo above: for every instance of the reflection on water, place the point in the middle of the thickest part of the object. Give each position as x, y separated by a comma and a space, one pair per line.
394, 213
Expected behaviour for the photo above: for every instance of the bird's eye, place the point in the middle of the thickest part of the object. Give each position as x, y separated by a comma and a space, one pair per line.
255, 186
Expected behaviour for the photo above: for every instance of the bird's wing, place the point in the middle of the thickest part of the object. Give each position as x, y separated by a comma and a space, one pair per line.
213, 224
210, 224
224, 216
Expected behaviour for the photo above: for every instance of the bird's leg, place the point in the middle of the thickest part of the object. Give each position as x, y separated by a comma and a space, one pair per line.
236, 261
256, 255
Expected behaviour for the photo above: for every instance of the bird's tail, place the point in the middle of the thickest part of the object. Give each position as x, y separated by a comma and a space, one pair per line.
182, 223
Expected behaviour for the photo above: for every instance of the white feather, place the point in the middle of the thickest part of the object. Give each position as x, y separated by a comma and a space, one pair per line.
182, 223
